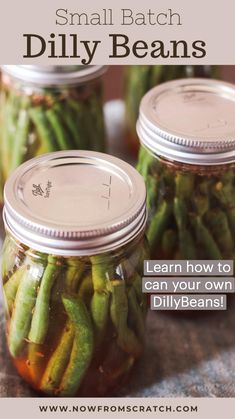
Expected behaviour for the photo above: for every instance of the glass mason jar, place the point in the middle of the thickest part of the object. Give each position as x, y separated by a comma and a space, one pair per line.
187, 158
49, 108
71, 268
141, 78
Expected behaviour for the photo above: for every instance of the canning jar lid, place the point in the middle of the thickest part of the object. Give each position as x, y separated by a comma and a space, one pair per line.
54, 75
75, 203
190, 121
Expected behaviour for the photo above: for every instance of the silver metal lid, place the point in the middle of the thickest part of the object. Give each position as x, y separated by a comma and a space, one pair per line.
190, 121
75, 203
54, 75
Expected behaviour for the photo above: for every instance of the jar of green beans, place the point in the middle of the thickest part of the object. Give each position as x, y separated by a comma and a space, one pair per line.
187, 158
71, 268
49, 108
141, 78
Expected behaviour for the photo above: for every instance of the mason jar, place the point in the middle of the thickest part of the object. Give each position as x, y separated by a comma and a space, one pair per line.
71, 268
49, 108
139, 79
187, 158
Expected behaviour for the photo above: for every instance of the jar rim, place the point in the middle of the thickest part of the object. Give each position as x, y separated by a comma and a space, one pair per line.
54, 75
189, 121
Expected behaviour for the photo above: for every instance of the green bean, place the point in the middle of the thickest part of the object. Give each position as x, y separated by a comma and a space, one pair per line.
180, 213
184, 185
95, 123
169, 242
159, 223
74, 273
225, 194
46, 134
10, 257
152, 188
141, 297
35, 361
62, 137
72, 120
135, 315
21, 137
1, 185
186, 243
5, 152
100, 304
146, 161
201, 204
40, 319
218, 223
126, 338
65, 115
137, 86
23, 308
102, 271
157, 74
11, 287
100, 301
11, 122
82, 349
205, 239
86, 288
80, 111
58, 361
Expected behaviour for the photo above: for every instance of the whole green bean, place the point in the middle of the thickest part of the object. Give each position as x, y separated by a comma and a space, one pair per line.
40, 319
82, 349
